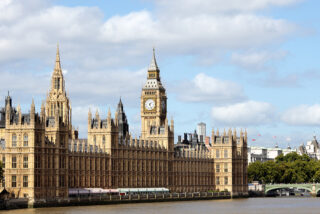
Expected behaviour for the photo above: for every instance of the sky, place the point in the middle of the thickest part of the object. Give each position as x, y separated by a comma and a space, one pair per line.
250, 64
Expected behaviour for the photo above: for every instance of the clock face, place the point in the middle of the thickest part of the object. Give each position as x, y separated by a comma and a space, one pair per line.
150, 104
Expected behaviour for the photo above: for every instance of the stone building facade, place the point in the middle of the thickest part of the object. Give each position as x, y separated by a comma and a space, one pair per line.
43, 156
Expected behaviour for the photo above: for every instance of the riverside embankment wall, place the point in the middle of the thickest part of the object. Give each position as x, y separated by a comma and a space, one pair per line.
113, 199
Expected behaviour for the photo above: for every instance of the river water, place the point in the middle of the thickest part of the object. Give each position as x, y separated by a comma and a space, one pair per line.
232, 206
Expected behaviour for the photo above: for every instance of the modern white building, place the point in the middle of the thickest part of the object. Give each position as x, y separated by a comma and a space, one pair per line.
272, 153
263, 154
201, 130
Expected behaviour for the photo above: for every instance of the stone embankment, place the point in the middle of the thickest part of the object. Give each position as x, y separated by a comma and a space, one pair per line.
113, 199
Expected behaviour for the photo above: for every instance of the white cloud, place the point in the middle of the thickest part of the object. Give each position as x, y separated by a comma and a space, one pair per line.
303, 115
91, 41
106, 86
256, 60
219, 6
244, 114
204, 88
26, 83
94, 50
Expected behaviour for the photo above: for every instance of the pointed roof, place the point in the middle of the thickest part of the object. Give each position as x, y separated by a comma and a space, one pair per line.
153, 65
57, 67
32, 104
120, 106
109, 113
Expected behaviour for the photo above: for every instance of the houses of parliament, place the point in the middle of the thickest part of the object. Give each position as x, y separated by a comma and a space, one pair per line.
43, 158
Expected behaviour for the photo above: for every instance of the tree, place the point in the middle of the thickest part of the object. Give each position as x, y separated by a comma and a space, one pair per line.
290, 168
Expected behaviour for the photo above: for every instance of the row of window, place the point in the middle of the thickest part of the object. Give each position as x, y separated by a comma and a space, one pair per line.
225, 167
14, 140
25, 181
225, 153
103, 139
226, 180
14, 181
14, 162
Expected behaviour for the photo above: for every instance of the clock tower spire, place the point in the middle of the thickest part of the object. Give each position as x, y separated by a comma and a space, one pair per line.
154, 106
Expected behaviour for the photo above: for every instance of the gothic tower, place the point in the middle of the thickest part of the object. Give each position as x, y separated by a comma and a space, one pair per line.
154, 121
57, 100
123, 125
58, 128
153, 100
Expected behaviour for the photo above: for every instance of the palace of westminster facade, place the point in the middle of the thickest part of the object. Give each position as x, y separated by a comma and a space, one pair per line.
43, 157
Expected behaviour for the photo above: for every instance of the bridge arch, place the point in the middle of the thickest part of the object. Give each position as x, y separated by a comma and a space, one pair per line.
289, 187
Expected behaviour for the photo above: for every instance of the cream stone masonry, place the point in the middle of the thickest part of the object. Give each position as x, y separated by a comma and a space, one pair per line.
44, 157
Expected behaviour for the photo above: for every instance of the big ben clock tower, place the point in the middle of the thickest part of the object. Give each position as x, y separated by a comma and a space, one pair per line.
153, 102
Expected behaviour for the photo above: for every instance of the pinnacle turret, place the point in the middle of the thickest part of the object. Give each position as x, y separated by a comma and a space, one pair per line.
120, 106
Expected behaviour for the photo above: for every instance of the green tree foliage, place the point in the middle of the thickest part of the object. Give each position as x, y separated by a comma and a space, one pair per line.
290, 168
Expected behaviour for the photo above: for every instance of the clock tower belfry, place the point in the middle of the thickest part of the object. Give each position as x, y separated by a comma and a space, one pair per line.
154, 122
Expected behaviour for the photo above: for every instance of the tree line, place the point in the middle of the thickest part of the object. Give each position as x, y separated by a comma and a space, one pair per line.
290, 168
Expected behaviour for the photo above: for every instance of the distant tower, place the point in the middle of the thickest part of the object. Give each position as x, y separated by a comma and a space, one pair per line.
122, 121
201, 130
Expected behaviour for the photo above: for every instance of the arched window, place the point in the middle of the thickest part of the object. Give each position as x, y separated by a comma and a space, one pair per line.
94, 139
57, 83
14, 140
103, 139
25, 140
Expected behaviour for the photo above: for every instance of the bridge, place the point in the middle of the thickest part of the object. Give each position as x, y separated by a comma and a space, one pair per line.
314, 188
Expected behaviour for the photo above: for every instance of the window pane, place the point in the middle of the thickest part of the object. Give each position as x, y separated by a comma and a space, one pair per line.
25, 140
25, 181
14, 162
14, 181
25, 162
14, 140
218, 180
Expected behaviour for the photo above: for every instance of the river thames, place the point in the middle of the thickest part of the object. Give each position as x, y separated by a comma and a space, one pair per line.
233, 206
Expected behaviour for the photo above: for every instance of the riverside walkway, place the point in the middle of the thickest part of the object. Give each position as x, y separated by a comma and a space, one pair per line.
116, 199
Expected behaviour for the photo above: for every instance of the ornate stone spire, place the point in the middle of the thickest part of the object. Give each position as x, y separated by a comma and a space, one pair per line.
32, 111
57, 67
97, 114
120, 106
8, 100
109, 115
153, 65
